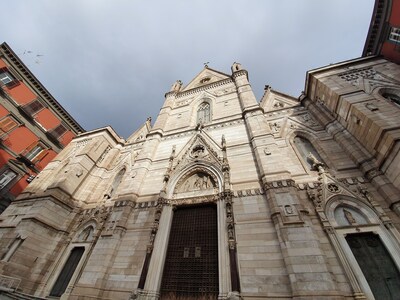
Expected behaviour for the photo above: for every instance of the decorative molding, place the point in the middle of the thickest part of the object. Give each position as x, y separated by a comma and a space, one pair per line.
194, 200
201, 88
371, 174
82, 143
279, 184
248, 192
240, 73
209, 155
367, 79
98, 214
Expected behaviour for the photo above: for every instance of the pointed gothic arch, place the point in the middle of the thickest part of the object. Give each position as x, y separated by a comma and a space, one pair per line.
67, 268
225, 251
202, 106
204, 113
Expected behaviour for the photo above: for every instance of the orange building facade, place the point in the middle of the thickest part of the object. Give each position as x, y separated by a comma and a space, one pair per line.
34, 127
384, 31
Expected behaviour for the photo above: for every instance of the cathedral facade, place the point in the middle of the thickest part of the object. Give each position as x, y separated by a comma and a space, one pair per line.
223, 197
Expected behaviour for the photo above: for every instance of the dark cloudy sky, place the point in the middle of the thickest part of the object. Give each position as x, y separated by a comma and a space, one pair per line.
111, 62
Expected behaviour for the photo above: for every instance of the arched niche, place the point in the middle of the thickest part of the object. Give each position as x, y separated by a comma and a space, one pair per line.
304, 143
341, 210
86, 233
116, 182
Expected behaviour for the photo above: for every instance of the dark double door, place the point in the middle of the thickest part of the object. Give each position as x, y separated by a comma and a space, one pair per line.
191, 266
376, 264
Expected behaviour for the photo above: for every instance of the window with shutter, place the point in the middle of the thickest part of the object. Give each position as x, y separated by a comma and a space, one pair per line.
7, 124
35, 152
58, 131
33, 107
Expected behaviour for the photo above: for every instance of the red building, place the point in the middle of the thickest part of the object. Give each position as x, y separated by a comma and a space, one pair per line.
384, 31
34, 127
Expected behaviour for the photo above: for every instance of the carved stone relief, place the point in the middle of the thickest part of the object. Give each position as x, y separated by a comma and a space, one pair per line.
197, 182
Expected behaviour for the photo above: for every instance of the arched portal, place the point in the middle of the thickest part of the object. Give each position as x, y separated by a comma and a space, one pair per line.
191, 245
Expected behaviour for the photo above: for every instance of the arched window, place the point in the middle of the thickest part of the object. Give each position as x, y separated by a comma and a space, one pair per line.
306, 151
203, 113
117, 181
391, 94
392, 97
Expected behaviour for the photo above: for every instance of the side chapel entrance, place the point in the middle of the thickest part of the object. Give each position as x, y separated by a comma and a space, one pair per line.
191, 266
68, 270
379, 270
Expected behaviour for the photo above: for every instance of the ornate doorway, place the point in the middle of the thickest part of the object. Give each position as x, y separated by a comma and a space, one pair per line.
191, 266
379, 270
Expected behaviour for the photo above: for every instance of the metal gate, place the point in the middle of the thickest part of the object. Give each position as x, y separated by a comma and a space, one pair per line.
375, 262
191, 266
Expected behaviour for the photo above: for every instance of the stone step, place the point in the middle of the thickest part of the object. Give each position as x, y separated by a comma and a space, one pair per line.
6, 295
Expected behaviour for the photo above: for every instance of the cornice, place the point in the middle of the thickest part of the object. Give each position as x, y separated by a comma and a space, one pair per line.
240, 73
9, 54
200, 88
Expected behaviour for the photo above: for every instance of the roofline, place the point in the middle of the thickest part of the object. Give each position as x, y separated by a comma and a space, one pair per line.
40, 89
378, 27
333, 66
117, 139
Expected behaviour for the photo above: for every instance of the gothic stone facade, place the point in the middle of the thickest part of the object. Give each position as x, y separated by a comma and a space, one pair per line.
296, 198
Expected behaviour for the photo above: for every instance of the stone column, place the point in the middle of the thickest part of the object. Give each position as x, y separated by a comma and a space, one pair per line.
156, 266
223, 257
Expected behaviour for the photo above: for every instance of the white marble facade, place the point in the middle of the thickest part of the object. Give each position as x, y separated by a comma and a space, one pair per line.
291, 178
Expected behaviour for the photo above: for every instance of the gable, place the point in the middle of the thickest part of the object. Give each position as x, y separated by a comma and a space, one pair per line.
206, 76
273, 100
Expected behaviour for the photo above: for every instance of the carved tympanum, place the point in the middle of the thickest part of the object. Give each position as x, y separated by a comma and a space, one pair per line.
197, 182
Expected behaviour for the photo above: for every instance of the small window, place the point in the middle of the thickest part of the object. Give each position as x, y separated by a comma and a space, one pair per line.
5, 77
203, 113
205, 80
7, 124
394, 35
6, 177
33, 107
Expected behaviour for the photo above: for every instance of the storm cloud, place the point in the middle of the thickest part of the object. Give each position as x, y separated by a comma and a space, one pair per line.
111, 62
